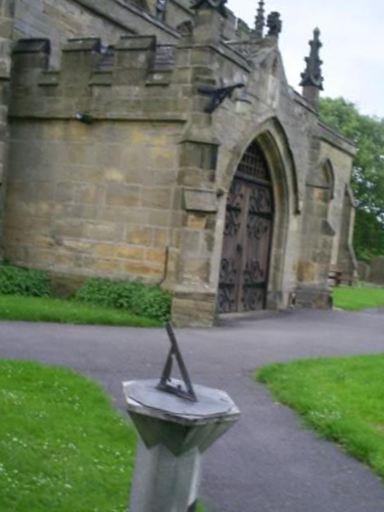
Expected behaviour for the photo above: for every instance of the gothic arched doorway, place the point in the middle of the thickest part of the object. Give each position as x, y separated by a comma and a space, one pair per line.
244, 268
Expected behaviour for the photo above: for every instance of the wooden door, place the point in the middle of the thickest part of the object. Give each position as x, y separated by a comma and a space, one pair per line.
244, 268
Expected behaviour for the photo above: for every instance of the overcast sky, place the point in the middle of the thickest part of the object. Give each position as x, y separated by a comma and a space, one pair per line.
352, 32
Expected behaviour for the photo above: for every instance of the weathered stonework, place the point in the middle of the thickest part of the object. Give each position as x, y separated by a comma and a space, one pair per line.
7, 10
376, 273
116, 168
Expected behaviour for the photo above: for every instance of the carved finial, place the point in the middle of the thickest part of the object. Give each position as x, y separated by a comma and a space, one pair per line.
217, 5
260, 21
274, 24
312, 75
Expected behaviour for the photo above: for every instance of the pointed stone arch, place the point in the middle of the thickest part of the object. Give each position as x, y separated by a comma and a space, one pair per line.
328, 176
273, 139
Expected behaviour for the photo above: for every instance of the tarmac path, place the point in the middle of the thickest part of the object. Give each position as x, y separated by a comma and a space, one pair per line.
268, 462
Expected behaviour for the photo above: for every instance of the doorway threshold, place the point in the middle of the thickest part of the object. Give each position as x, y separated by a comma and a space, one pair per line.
231, 318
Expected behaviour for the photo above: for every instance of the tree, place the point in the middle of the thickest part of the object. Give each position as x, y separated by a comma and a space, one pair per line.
368, 171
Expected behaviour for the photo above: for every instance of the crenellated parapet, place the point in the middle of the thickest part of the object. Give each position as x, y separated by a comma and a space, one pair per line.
121, 81
136, 78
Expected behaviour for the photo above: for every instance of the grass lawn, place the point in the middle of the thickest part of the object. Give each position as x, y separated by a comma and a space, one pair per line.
62, 445
34, 309
356, 298
342, 398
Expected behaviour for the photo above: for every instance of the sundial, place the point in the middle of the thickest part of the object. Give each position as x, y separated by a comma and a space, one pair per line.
176, 422
177, 398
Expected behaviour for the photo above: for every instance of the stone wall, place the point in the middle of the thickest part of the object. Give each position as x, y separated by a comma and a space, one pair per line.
6, 30
341, 170
373, 271
177, 11
59, 21
81, 202
327, 242
88, 198
363, 270
376, 273
107, 19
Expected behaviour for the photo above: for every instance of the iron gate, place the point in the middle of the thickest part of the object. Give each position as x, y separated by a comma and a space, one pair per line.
248, 229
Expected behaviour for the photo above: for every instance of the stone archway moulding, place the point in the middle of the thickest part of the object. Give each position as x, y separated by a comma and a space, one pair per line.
274, 141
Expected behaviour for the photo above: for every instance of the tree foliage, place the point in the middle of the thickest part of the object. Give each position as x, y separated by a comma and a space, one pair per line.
368, 171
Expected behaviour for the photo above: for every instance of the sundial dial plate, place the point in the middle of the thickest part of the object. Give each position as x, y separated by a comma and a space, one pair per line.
210, 402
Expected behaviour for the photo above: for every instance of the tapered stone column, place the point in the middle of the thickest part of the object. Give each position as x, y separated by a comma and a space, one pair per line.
174, 434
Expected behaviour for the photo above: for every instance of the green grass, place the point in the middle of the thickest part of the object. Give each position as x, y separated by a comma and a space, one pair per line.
34, 309
342, 398
62, 445
357, 298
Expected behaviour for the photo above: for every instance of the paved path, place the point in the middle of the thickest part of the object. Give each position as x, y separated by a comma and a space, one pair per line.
268, 462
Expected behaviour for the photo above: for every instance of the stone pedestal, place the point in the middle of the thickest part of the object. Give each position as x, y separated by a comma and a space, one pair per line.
174, 434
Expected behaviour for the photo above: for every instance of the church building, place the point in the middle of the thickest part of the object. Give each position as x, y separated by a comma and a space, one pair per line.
159, 140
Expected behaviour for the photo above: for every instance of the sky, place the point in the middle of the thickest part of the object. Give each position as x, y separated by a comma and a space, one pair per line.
352, 33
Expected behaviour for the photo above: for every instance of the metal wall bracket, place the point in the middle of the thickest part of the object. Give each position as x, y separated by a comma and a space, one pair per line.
218, 95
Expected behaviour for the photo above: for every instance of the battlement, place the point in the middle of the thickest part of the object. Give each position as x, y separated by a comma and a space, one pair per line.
130, 61
123, 80
135, 78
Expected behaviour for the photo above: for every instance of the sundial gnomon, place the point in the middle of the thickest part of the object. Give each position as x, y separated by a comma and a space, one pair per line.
187, 392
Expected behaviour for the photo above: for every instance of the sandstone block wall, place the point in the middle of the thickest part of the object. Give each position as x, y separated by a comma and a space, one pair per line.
6, 31
97, 198
59, 21
80, 201
107, 19
341, 162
